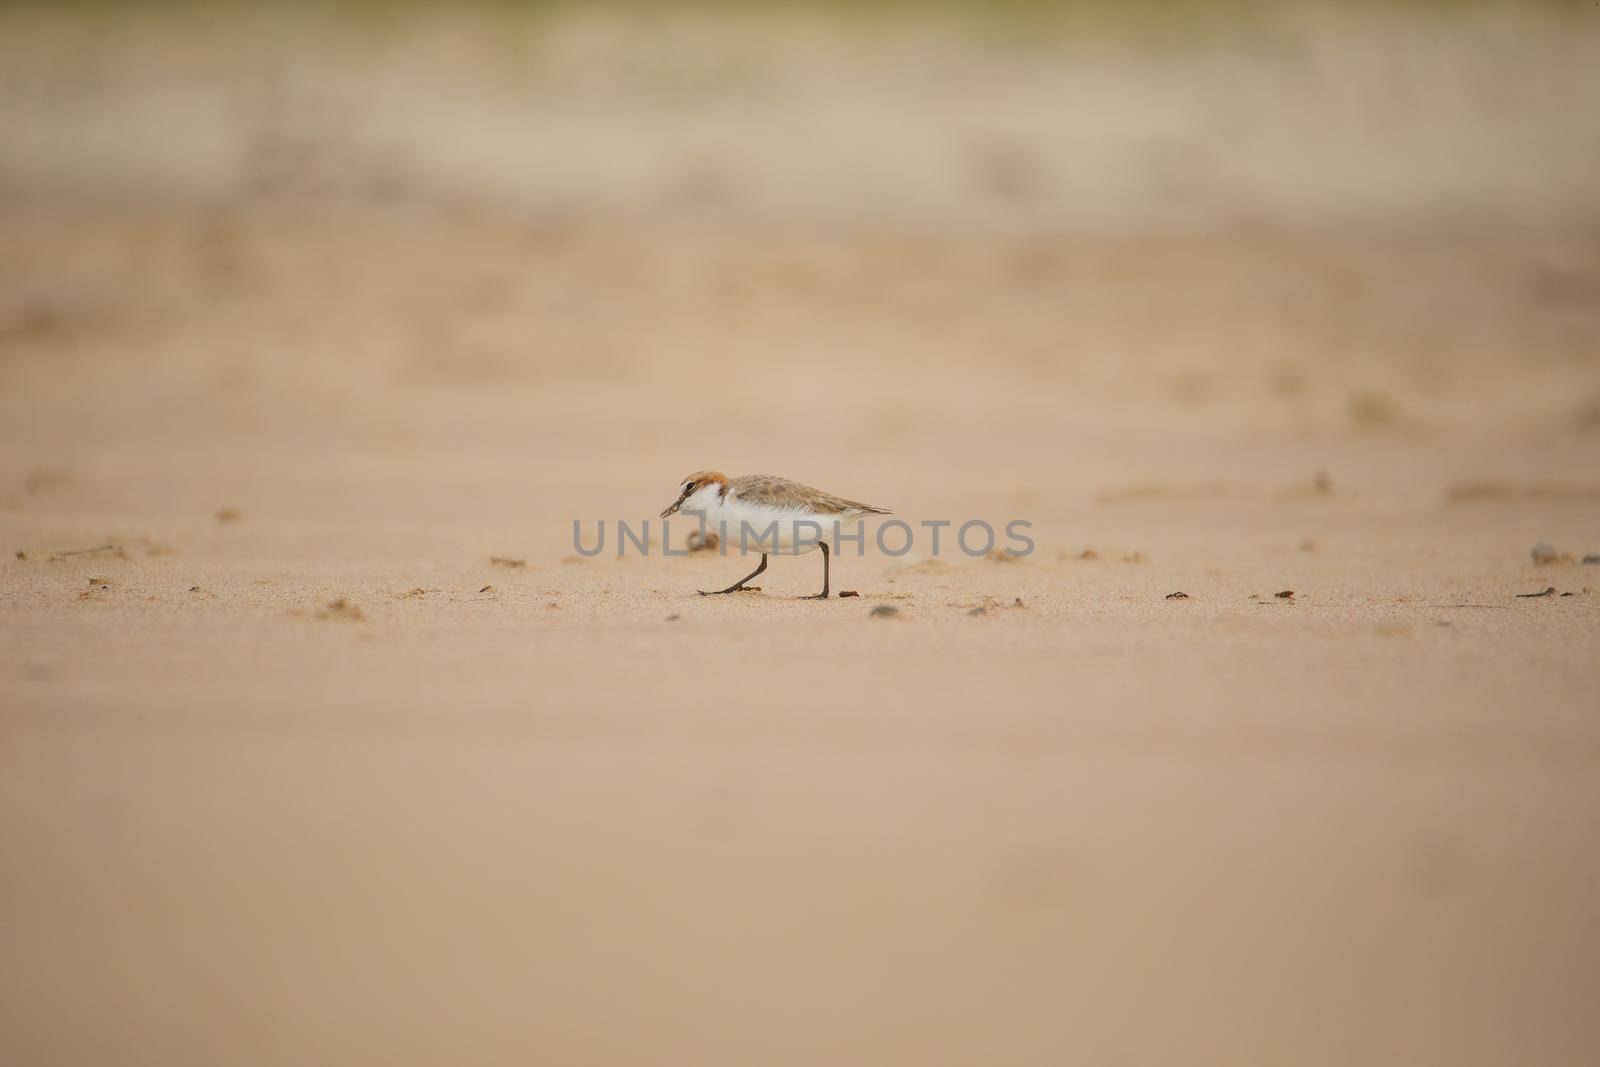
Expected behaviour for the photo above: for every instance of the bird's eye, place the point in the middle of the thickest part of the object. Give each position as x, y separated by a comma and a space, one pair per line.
689, 488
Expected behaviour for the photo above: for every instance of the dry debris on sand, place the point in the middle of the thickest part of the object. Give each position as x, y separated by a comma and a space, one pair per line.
340, 610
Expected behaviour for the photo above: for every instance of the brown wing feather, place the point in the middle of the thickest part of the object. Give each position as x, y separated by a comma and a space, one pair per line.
775, 492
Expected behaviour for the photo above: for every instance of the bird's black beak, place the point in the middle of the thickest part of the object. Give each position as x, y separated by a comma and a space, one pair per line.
676, 504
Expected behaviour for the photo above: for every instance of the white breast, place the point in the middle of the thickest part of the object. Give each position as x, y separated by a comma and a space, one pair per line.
749, 527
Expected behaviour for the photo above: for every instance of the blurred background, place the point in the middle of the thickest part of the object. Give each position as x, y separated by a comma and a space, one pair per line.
321, 323
577, 247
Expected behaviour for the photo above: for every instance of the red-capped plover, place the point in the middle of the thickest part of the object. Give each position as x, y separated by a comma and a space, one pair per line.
760, 512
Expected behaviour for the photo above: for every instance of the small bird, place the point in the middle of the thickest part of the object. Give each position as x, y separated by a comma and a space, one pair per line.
761, 512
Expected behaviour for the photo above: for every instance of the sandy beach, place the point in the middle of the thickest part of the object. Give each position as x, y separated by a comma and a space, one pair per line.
320, 743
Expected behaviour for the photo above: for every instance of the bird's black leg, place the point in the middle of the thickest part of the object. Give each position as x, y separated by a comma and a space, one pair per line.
824, 594
736, 586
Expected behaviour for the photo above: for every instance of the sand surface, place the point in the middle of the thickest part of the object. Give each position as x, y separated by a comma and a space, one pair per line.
313, 322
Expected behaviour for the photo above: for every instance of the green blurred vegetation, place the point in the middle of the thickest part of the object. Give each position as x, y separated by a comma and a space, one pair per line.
1042, 9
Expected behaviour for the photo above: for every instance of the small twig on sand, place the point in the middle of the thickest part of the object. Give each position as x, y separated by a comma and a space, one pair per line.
115, 551
1549, 591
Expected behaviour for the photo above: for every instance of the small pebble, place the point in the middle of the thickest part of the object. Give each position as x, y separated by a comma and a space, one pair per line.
699, 542
848, 592
978, 611
1287, 594
883, 611
1180, 595
674, 618
1591, 558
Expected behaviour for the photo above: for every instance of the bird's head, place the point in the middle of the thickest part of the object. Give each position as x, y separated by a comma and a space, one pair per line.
697, 492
